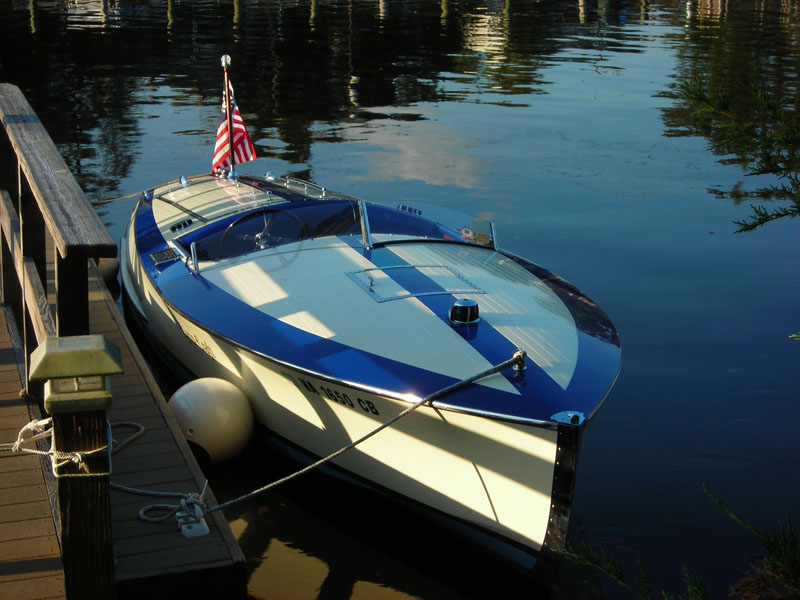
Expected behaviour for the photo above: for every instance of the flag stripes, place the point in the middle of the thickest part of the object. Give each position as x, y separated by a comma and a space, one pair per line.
243, 149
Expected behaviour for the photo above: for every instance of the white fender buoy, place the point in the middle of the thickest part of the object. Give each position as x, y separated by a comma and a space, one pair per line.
215, 415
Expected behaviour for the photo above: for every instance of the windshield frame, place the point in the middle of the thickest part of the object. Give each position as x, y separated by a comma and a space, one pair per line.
376, 224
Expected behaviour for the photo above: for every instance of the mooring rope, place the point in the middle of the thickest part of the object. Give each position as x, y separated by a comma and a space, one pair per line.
187, 500
192, 501
517, 358
43, 428
40, 432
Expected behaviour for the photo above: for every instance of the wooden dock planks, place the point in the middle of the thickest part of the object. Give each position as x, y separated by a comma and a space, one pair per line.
30, 557
157, 558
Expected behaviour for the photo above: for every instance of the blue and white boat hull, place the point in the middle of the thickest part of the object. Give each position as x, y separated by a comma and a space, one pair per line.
331, 335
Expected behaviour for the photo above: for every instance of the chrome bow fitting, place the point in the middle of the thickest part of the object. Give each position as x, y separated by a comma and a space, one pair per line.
464, 312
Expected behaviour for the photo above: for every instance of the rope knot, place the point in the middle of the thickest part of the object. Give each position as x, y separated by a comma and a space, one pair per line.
34, 427
193, 503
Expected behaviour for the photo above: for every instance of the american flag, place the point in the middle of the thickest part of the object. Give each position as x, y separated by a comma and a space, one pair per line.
243, 149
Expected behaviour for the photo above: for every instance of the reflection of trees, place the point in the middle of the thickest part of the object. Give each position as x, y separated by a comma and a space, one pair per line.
303, 67
770, 140
740, 51
300, 67
88, 114
333, 63
102, 152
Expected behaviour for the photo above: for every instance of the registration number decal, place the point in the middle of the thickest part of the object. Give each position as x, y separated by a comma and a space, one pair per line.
330, 393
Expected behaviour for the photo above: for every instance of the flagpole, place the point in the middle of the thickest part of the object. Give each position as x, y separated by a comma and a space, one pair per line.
226, 62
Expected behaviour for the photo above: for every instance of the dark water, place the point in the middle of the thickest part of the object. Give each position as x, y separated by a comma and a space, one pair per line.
554, 118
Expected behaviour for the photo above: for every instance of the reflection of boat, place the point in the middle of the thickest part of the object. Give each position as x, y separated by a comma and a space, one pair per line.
333, 314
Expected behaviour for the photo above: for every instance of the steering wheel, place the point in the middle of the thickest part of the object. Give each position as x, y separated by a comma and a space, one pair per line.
262, 239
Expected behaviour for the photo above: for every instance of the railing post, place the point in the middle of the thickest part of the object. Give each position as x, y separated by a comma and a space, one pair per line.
8, 183
8, 163
84, 506
72, 299
77, 395
32, 234
33, 228
11, 293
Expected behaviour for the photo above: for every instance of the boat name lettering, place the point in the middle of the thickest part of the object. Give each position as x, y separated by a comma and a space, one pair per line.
202, 344
340, 397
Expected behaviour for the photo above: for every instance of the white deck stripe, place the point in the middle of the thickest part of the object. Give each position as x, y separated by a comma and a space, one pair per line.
516, 304
336, 308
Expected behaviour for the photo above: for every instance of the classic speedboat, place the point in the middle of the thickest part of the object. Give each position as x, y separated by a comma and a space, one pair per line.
332, 315
330, 318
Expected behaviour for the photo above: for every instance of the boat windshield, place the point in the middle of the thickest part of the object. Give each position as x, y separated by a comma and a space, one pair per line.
276, 224
272, 225
406, 221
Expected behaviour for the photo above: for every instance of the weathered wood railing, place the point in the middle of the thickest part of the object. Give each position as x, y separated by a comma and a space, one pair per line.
39, 197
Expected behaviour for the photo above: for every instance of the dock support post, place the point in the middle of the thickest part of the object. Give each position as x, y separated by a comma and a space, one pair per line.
77, 395
84, 505
72, 305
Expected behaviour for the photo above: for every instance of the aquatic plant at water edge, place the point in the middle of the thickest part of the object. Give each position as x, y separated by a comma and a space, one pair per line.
605, 562
775, 576
767, 138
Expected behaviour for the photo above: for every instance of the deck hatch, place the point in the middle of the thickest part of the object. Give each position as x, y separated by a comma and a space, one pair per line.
410, 281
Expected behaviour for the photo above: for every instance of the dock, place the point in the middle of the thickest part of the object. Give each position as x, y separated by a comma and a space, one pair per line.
157, 557
53, 530
30, 558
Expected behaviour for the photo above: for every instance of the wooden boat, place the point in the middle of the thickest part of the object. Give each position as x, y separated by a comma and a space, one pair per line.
332, 315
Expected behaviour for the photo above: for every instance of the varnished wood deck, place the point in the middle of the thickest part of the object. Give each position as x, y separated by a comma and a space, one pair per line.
152, 560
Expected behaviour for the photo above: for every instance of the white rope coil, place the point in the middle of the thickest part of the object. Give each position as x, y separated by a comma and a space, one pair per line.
40, 431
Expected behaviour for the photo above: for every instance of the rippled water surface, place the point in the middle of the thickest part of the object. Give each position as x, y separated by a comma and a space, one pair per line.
555, 119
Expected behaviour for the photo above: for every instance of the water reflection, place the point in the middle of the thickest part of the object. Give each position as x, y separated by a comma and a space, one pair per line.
737, 50
552, 118
323, 539
89, 14
351, 56
356, 56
